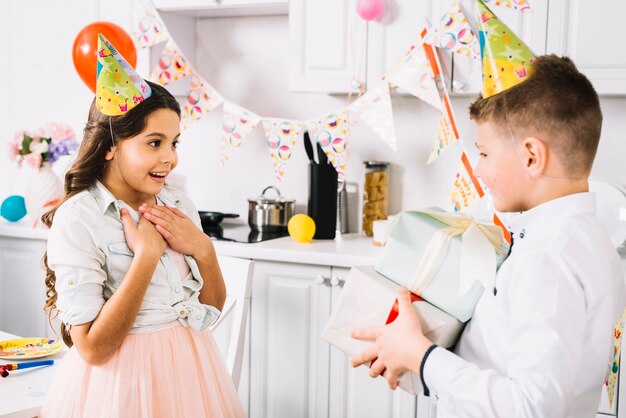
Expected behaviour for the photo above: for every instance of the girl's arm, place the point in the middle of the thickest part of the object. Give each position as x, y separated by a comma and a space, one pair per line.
97, 340
185, 237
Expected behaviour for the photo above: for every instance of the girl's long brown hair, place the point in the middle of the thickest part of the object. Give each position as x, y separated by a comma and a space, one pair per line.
99, 135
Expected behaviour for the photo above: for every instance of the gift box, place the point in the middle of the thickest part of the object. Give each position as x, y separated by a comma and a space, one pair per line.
446, 258
366, 300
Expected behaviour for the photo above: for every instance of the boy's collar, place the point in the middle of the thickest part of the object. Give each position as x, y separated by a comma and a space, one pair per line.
550, 211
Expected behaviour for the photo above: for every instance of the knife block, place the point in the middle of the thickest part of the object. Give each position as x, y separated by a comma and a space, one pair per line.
322, 205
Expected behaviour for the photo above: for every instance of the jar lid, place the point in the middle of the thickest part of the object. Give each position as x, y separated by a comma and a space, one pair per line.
375, 164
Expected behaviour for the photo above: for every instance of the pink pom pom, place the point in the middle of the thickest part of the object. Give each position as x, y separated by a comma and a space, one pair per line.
370, 9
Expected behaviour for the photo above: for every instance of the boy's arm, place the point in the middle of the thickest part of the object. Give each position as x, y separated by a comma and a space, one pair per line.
544, 349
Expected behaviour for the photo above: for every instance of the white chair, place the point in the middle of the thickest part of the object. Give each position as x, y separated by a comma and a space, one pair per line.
237, 274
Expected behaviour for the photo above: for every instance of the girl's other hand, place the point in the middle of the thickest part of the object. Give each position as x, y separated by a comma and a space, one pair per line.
178, 229
142, 238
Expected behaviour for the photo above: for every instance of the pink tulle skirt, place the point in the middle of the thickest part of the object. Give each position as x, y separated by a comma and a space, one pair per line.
169, 373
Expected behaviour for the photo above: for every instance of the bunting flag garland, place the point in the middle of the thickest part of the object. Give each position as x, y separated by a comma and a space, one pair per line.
511, 4
237, 124
172, 65
151, 30
201, 99
465, 188
332, 133
506, 60
415, 75
617, 350
374, 108
281, 137
447, 133
453, 33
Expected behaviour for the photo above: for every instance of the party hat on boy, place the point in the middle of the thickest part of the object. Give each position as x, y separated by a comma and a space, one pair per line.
507, 61
118, 87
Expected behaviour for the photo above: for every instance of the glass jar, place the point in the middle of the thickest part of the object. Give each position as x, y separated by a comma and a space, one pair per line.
375, 194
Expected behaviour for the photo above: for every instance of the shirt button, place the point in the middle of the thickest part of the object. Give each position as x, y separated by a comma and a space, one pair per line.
70, 282
177, 290
182, 312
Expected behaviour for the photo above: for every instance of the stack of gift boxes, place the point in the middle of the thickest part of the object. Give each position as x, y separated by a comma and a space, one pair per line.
446, 259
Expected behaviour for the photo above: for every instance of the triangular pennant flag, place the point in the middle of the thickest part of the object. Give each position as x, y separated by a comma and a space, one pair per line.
447, 132
151, 30
237, 125
415, 75
281, 137
172, 65
465, 188
118, 86
507, 61
332, 133
201, 99
453, 33
374, 108
617, 349
511, 4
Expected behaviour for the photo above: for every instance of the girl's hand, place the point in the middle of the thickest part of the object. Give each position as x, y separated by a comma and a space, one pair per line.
143, 237
178, 229
399, 346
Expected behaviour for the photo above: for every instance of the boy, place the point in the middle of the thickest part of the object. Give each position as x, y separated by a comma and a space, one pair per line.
539, 343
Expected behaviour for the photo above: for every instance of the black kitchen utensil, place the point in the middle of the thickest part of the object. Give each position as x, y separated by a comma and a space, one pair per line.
308, 146
322, 205
321, 155
214, 218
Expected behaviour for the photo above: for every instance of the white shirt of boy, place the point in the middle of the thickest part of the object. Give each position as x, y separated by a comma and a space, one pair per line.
88, 252
540, 345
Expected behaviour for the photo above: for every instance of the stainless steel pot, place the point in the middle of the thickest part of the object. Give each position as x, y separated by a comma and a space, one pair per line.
270, 214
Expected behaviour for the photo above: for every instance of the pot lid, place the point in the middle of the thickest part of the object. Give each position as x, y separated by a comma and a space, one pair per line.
266, 199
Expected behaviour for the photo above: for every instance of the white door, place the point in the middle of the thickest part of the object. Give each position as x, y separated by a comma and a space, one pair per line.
327, 46
589, 32
289, 360
353, 394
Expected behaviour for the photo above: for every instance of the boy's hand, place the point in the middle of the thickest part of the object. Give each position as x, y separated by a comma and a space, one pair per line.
178, 229
399, 346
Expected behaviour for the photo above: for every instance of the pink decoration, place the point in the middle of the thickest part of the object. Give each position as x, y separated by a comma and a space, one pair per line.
370, 9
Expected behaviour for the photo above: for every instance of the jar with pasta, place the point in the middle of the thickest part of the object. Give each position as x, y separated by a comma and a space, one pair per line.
375, 194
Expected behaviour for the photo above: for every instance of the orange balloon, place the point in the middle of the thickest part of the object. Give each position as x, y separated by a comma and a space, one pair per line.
85, 49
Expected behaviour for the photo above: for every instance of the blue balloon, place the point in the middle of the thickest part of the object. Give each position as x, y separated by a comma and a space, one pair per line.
13, 208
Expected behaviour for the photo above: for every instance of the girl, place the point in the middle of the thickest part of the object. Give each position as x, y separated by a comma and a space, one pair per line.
135, 280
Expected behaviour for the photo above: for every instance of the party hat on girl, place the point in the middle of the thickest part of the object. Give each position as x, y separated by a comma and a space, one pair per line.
118, 87
507, 61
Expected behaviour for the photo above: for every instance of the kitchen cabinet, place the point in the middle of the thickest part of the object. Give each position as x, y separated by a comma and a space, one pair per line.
588, 32
22, 286
293, 371
325, 60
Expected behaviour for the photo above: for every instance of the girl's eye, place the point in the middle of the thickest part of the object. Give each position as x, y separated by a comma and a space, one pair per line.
155, 143
175, 144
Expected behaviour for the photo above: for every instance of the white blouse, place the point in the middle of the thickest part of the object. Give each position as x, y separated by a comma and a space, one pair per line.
540, 346
88, 253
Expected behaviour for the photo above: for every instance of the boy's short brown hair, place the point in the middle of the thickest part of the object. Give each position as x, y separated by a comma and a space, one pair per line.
556, 104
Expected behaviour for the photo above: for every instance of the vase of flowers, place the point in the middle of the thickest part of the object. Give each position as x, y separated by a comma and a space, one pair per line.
39, 150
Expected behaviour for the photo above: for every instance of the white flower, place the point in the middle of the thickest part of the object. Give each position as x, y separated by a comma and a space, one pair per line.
38, 147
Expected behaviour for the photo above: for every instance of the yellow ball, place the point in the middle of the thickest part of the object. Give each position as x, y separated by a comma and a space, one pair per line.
301, 228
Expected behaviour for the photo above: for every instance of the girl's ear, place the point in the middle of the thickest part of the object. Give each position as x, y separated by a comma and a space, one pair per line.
110, 153
535, 154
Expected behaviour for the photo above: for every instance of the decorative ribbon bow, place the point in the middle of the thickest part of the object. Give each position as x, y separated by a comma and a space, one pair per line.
478, 259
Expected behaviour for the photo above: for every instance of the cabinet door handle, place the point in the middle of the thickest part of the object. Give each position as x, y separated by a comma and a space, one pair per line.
321, 279
336, 281
458, 85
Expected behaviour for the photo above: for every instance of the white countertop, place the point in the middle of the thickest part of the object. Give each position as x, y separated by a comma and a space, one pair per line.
344, 251
22, 393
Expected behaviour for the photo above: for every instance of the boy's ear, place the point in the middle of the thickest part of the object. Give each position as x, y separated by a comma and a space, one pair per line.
535, 153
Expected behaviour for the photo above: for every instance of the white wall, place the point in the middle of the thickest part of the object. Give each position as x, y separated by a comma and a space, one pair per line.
245, 58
